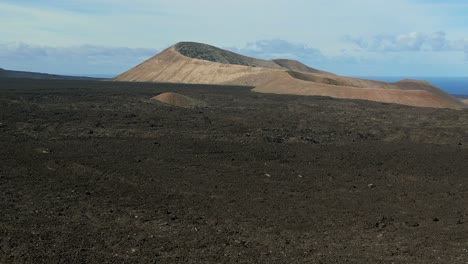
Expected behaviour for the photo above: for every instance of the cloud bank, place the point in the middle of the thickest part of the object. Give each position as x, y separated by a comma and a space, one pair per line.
389, 55
82, 59
277, 48
282, 49
413, 42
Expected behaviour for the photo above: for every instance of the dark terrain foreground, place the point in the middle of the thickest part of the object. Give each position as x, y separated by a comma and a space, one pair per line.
95, 172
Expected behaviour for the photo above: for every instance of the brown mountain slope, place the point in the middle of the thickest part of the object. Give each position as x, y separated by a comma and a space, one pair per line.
171, 66
409, 84
196, 63
294, 65
282, 84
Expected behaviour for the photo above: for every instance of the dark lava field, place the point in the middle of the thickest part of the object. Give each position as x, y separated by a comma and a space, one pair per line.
96, 172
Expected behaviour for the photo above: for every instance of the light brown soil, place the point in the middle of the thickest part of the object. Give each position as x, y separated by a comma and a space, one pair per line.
285, 85
178, 100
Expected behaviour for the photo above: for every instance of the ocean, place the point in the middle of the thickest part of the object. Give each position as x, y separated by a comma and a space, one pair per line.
451, 85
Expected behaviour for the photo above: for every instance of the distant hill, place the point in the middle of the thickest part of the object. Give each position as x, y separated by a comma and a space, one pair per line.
461, 96
197, 63
36, 75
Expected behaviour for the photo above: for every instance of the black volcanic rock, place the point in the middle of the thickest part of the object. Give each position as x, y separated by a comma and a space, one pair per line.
214, 54
317, 179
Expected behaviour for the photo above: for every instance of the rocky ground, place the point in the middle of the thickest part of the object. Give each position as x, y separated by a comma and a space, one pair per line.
95, 172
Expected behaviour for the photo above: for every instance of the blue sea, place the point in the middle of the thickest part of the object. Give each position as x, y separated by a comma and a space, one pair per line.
451, 85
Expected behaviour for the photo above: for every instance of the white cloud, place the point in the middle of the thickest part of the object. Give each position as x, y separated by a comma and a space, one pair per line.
410, 42
277, 48
26, 51
414, 41
82, 59
281, 49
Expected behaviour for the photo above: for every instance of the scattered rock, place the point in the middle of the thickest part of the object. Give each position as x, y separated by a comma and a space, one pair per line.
383, 222
268, 175
412, 224
42, 150
275, 139
371, 185
312, 140
50, 168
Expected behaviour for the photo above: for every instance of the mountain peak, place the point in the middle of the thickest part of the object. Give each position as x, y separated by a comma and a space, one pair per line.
207, 52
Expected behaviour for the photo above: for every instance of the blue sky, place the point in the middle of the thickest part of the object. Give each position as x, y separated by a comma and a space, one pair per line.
348, 37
